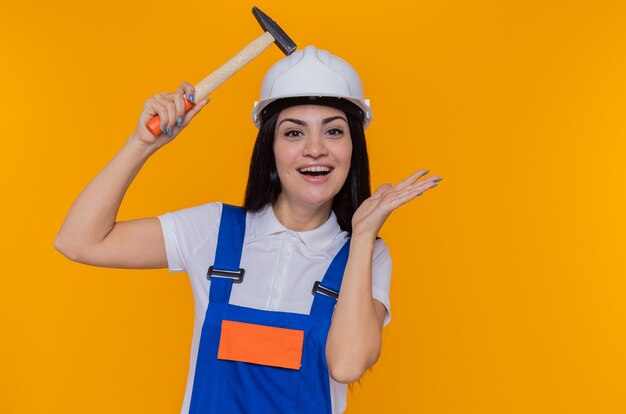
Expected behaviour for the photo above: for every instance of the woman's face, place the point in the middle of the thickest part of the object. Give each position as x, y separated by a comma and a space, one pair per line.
313, 149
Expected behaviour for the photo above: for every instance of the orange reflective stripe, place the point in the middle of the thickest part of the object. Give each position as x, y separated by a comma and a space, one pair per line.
260, 344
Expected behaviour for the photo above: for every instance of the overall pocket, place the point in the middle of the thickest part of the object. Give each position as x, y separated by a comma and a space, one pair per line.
261, 344
259, 368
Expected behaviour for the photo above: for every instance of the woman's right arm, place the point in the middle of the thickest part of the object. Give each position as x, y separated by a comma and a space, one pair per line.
90, 233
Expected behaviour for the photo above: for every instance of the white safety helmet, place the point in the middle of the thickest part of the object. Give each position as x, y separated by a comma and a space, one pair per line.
312, 72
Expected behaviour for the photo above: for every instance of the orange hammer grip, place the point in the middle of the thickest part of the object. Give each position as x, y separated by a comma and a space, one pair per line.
154, 124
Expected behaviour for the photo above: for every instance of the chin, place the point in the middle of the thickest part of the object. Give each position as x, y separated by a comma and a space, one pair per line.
317, 200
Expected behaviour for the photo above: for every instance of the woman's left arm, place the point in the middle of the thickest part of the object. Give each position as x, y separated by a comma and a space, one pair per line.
354, 339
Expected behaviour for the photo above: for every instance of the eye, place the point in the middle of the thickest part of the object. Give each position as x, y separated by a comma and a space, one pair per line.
335, 132
292, 133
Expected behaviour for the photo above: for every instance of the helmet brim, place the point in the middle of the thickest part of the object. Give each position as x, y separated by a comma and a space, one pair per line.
265, 109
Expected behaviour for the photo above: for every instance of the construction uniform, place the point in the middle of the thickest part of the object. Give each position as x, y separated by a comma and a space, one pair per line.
259, 335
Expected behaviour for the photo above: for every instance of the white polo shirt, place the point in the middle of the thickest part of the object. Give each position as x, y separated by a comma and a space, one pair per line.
281, 267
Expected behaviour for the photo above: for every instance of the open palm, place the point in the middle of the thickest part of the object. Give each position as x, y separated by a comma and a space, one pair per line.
372, 213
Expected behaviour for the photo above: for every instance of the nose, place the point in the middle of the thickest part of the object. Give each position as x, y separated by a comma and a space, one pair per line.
314, 146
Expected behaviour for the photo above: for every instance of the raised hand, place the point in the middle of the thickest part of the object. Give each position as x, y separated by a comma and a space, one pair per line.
372, 213
170, 108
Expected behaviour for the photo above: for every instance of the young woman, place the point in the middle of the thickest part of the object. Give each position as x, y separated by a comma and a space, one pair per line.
291, 291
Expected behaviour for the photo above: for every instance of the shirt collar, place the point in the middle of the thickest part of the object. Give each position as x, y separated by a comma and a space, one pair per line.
317, 239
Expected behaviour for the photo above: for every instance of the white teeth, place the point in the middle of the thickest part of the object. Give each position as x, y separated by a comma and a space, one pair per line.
314, 169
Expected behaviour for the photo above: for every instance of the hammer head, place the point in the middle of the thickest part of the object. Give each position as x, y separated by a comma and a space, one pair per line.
281, 39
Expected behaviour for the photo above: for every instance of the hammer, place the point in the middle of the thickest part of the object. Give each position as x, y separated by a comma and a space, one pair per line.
273, 33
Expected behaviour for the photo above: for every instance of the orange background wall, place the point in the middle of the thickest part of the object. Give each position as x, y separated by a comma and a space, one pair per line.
509, 288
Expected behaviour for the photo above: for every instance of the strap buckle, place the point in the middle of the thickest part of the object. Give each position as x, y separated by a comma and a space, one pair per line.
318, 288
235, 275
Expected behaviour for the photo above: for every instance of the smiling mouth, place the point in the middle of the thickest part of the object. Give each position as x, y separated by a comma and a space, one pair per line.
315, 171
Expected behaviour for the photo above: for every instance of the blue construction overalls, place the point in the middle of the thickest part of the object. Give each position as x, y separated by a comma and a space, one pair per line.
276, 362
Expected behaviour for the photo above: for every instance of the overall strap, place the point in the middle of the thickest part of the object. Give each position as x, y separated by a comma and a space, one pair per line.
327, 291
226, 269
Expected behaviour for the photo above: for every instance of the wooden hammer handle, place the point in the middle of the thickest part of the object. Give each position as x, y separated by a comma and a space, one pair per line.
220, 75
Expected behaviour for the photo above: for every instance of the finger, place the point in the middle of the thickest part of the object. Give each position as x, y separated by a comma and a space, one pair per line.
417, 188
423, 184
393, 201
432, 185
154, 107
167, 101
400, 201
188, 90
403, 198
149, 109
179, 105
411, 179
404, 186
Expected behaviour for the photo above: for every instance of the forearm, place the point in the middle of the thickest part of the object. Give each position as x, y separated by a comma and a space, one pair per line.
354, 339
93, 213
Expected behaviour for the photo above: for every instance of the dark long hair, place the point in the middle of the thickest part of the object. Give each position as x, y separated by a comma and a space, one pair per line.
264, 184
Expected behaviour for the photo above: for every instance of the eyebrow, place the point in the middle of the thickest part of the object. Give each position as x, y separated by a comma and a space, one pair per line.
324, 121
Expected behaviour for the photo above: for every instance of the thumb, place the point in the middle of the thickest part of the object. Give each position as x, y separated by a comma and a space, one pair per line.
381, 190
